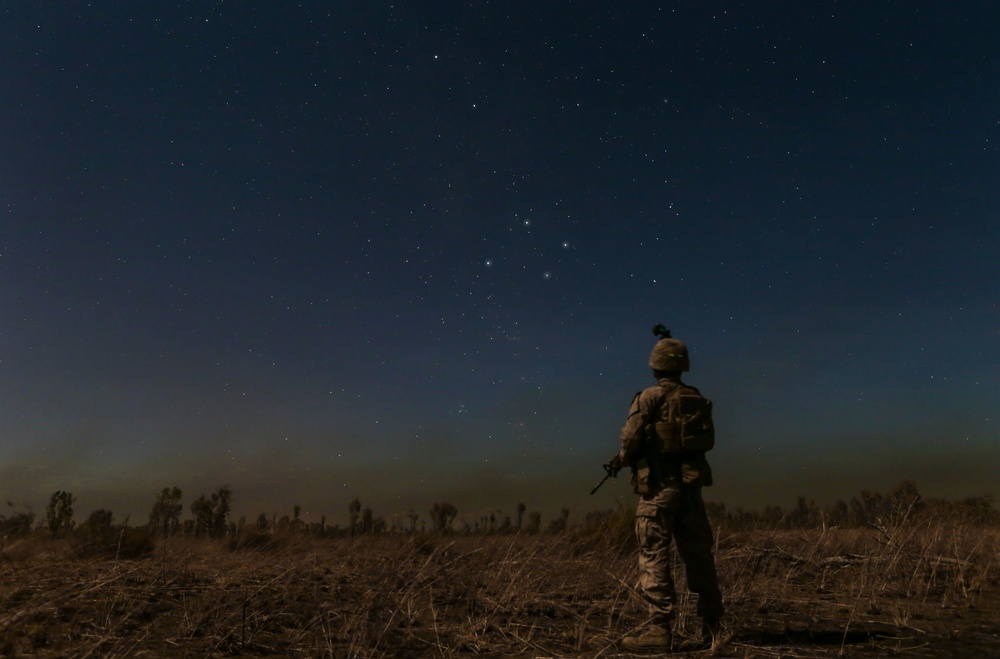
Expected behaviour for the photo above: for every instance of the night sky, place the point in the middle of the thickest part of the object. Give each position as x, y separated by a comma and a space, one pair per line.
412, 252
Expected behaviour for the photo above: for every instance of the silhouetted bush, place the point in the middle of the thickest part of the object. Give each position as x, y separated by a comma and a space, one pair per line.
17, 525
97, 536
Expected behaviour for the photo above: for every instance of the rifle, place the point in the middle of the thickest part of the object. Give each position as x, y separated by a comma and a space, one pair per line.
610, 471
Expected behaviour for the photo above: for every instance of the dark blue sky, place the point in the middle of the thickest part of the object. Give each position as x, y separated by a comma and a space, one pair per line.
411, 252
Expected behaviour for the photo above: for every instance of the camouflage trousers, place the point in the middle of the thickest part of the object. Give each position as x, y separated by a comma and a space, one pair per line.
676, 513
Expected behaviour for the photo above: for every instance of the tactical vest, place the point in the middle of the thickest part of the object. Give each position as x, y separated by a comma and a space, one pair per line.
675, 442
684, 424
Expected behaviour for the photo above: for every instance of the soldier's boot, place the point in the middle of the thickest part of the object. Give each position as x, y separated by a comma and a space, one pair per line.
710, 630
709, 635
655, 637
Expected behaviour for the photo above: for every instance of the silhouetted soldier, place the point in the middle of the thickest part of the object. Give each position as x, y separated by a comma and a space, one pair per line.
664, 440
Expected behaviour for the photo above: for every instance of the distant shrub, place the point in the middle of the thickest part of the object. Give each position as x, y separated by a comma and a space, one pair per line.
165, 517
135, 542
99, 522
17, 525
102, 540
59, 512
96, 536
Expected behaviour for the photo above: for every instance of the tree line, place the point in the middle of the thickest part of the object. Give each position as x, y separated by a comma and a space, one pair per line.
900, 504
210, 516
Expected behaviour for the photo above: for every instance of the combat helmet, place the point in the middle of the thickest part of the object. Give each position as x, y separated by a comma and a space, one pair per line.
669, 354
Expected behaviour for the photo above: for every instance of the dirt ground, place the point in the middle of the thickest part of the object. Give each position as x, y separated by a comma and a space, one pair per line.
927, 591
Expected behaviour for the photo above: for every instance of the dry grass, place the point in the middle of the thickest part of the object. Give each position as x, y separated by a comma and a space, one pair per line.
919, 589
924, 589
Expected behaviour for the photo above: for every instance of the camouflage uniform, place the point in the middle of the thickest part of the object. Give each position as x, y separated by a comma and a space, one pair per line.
668, 478
670, 509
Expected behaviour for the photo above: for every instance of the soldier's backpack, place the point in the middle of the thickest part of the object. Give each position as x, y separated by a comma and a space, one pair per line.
685, 421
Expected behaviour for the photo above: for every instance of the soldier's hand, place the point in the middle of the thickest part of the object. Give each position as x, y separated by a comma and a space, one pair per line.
614, 465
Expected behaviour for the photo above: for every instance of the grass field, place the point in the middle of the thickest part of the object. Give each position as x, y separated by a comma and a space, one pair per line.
923, 587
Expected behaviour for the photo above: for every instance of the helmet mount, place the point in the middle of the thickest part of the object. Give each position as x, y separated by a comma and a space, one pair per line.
669, 355
661, 331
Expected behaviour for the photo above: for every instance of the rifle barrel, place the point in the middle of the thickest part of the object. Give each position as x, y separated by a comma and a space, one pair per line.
598, 486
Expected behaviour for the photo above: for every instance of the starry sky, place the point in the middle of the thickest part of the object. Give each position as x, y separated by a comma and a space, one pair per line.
411, 251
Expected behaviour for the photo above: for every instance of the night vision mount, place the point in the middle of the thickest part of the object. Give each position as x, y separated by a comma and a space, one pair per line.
661, 331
